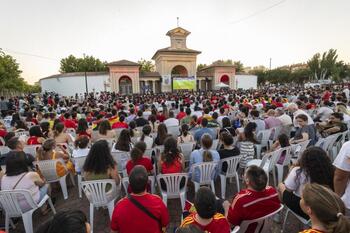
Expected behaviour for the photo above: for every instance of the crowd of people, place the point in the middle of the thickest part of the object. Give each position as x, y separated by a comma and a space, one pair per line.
219, 124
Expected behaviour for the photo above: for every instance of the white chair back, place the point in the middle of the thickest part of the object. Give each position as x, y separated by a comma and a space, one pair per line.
31, 149
232, 164
149, 152
79, 162
71, 131
4, 150
186, 149
10, 199
262, 226
48, 168
96, 193
264, 136
215, 144
206, 171
174, 130
121, 158
172, 182
298, 149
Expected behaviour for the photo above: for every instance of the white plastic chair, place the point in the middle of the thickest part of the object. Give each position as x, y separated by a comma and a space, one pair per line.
298, 149
121, 158
206, 174
262, 226
31, 149
4, 150
231, 172
215, 144
48, 169
286, 163
79, 163
268, 163
125, 183
301, 219
263, 137
174, 130
97, 195
71, 131
328, 143
186, 149
235, 230
173, 189
9, 200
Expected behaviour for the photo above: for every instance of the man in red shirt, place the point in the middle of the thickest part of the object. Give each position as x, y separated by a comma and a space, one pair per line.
68, 122
327, 94
254, 202
181, 114
206, 216
129, 218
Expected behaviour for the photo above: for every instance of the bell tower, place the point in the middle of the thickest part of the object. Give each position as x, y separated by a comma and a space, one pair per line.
178, 38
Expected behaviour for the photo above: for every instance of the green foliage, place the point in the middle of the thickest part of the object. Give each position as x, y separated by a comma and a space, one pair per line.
86, 63
325, 66
239, 66
201, 66
146, 66
223, 62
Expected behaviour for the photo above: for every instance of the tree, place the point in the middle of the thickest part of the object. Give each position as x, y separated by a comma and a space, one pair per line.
86, 63
223, 62
325, 66
146, 66
201, 66
239, 66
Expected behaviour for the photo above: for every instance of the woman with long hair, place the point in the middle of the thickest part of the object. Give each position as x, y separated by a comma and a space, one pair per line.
83, 128
314, 166
161, 135
124, 142
31, 118
45, 129
246, 141
134, 132
99, 163
105, 131
204, 154
185, 136
153, 122
146, 131
137, 158
229, 149
227, 126
171, 160
60, 135
304, 132
325, 209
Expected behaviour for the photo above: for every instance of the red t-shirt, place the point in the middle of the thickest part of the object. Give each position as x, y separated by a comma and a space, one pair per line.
144, 161
33, 141
69, 124
128, 218
249, 204
3, 133
84, 134
219, 224
326, 96
175, 167
160, 117
180, 115
120, 125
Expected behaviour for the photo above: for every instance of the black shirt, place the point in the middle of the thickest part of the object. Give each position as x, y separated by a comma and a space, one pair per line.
224, 154
141, 122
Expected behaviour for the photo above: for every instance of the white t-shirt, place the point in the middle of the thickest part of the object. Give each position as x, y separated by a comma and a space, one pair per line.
342, 162
171, 122
301, 112
148, 140
285, 119
325, 112
347, 93
80, 152
294, 183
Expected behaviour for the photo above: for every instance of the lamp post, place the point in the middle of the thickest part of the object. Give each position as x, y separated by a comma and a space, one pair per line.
86, 84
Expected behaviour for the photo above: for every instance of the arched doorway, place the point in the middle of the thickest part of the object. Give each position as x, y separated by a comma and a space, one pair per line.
125, 85
178, 71
225, 79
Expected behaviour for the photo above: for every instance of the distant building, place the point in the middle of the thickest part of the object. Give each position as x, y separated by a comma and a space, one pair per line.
176, 62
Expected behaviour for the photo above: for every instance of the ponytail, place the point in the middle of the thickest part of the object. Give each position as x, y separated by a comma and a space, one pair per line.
340, 226
207, 156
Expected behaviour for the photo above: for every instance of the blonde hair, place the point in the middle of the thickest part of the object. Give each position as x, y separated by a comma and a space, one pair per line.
328, 208
45, 150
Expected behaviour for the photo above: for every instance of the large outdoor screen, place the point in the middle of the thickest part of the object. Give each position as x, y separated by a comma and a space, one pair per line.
181, 83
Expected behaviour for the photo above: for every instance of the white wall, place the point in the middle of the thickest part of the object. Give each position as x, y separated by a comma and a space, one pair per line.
246, 81
69, 85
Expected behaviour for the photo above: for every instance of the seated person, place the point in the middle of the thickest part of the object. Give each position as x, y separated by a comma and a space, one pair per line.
334, 125
254, 202
17, 145
304, 132
205, 215
229, 149
36, 136
137, 158
189, 229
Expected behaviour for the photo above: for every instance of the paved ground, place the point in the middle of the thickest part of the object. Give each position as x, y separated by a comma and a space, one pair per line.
101, 221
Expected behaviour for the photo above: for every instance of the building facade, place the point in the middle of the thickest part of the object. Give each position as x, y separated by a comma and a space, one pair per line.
125, 77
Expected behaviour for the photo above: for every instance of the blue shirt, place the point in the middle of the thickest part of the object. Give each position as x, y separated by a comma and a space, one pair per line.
196, 157
199, 133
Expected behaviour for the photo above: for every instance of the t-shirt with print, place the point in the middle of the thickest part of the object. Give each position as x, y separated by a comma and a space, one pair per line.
219, 224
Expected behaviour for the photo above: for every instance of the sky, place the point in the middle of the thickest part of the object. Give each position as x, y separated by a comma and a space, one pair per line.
39, 33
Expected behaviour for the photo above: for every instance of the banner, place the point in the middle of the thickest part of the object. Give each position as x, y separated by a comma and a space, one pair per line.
166, 80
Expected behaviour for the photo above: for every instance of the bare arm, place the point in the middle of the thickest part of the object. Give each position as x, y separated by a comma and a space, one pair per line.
114, 174
340, 181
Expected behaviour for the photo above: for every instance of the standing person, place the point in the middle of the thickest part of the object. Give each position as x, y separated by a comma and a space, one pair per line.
128, 217
342, 175
325, 209
206, 215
